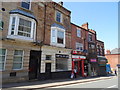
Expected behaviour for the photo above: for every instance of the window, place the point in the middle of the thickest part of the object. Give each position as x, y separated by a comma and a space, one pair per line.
22, 27
48, 57
90, 37
1, 25
2, 59
58, 37
58, 16
78, 33
25, 4
18, 59
79, 46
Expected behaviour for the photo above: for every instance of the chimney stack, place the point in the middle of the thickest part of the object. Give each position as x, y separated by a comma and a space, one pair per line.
108, 52
85, 26
61, 3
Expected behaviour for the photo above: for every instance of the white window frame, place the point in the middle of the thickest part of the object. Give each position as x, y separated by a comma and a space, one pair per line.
61, 18
16, 36
22, 60
4, 60
80, 45
29, 5
55, 43
78, 33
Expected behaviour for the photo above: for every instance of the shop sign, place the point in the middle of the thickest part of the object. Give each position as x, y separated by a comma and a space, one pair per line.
76, 52
78, 57
93, 60
62, 56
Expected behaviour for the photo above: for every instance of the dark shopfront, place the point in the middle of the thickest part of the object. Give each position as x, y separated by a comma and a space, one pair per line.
102, 65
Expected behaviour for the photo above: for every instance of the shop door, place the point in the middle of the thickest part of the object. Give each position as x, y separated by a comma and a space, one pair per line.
33, 64
48, 71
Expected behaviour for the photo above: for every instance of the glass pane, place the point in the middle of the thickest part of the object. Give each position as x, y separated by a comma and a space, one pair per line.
17, 66
1, 66
18, 52
60, 34
18, 59
25, 5
2, 51
2, 58
13, 21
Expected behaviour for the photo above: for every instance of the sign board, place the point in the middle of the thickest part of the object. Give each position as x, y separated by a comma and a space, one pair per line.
62, 56
93, 60
78, 57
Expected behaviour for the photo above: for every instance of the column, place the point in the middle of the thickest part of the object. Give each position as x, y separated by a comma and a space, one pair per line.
82, 68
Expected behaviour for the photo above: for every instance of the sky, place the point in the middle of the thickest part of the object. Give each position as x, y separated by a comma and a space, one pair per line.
101, 16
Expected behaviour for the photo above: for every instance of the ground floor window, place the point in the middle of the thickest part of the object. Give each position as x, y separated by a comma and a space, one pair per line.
2, 58
18, 59
61, 64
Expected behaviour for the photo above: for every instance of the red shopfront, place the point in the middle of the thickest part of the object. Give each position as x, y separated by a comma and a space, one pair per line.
78, 63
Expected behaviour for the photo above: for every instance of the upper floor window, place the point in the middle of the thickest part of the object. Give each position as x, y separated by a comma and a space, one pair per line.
58, 37
58, 16
78, 33
48, 57
25, 4
90, 37
2, 59
79, 46
22, 27
18, 59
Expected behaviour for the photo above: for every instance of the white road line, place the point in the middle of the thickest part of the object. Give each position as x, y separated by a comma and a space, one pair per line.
112, 86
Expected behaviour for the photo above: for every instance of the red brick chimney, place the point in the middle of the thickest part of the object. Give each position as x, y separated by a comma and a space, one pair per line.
85, 26
108, 52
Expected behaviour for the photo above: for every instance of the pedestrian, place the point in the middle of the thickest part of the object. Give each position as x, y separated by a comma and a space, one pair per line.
72, 75
115, 72
75, 72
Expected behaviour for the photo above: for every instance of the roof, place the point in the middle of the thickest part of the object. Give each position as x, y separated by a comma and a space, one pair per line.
18, 11
57, 25
115, 51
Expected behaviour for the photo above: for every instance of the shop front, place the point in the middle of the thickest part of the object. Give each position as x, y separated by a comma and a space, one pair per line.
102, 65
78, 64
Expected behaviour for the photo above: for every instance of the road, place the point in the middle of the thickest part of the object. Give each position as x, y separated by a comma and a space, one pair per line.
103, 84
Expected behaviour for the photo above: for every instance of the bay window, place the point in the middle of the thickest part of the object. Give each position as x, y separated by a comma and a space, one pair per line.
57, 37
22, 27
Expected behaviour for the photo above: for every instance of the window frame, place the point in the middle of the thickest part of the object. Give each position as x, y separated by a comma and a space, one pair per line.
61, 17
29, 5
4, 60
56, 42
22, 60
90, 39
78, 34
2, 25
80, 46
15, 35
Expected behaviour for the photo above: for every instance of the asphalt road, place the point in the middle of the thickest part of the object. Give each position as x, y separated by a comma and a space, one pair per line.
103, 84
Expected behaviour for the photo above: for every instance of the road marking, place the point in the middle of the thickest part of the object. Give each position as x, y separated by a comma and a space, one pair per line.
112, 86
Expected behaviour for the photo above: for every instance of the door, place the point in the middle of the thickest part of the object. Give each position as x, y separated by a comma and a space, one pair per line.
33, 64
48, 71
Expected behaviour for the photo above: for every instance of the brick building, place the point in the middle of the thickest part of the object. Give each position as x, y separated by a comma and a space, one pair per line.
36, 41
113, 58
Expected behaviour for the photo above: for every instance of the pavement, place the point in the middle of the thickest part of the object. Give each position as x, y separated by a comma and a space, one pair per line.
51, 83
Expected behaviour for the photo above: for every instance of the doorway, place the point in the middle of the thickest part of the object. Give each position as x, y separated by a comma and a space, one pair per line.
48, 70
34, 64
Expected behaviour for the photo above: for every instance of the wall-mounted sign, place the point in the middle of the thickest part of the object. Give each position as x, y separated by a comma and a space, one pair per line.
78, 57
62, 56
93, 60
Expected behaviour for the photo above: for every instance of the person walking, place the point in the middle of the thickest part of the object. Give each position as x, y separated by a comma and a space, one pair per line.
75, 72
115, 72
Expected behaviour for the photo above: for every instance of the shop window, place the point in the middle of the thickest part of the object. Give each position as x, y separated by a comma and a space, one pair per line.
18, 59
61, 64
25, 4
1, 25
48, 57
2, 59
22, 28
79, 46
78, 33
58, 17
